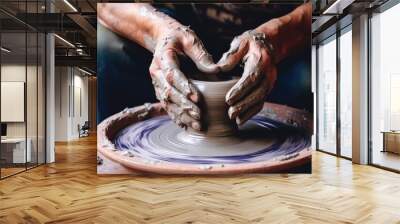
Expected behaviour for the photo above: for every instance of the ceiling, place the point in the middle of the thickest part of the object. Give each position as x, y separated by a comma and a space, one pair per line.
76, 24
329, 16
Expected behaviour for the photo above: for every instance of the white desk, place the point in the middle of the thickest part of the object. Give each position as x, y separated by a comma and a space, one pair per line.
18, 149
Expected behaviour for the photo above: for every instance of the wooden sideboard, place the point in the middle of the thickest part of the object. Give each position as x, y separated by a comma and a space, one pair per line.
391, 141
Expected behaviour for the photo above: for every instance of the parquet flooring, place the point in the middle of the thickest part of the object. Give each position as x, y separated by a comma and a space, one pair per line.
10, 171
70, 191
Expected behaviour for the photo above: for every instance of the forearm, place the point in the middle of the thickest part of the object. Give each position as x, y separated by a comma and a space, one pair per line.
141, 23
290, 32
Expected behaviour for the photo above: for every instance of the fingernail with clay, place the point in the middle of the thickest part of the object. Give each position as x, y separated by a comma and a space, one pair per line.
228, 98
232, 112
194, 114
229, 95
196, 125
239, 121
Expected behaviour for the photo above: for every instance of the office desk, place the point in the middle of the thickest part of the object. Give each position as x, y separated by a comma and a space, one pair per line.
391, 141
13, 150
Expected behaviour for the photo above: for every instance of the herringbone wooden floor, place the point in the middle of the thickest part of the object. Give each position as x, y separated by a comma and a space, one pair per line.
70, 191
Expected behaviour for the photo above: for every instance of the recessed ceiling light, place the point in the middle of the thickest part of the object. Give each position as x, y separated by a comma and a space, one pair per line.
337, 7
64, 40
5, 50
70, 5
84, 71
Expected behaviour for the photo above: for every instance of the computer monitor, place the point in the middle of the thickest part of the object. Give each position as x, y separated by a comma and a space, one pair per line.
3, 129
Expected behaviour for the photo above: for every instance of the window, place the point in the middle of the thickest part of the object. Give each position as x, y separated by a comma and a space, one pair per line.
327, 95
385, 89
346, 72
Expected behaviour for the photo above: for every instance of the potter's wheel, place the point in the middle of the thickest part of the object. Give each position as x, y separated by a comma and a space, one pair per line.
156, 144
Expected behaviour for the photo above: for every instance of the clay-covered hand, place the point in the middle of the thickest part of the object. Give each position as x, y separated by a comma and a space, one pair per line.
246, 97
166, 38
176, 93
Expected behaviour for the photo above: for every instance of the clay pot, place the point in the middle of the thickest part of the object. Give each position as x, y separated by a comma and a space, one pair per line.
215, 119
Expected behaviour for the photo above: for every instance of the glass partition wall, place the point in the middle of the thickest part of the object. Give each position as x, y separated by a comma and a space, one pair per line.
334, 94
22, 98
385, 89
383, 94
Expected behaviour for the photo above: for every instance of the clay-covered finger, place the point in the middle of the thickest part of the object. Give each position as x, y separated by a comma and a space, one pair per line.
155, 74
158, 95
167, 93
246, 115
254, 98
234, 55
181, 117
157, 84
169, 63
170, 66
176, 97
251, 77
194, 48
178, 80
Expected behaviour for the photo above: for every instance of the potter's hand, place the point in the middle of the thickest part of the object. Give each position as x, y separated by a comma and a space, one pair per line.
246, 97
166, 38
172, 87
260, 49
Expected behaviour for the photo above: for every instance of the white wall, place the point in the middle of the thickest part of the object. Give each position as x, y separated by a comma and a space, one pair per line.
61, 103
70, 94
80, 110
14, 72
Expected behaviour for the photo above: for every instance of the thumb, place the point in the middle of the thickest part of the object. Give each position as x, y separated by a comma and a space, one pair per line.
205, 62
201, 57
234, 55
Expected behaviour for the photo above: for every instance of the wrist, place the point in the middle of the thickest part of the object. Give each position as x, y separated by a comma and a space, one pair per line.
164, 26
154, 26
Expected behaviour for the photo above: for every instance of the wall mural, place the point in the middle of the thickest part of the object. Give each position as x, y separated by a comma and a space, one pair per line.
204, 88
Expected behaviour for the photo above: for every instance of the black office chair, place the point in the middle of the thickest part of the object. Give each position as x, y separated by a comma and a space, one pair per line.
84, 130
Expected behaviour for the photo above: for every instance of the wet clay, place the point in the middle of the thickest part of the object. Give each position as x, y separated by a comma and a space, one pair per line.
214, 110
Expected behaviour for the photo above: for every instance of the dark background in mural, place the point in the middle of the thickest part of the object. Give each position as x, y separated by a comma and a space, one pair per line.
123, 76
